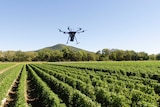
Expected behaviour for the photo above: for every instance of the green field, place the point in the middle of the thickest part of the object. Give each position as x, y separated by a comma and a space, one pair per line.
81, 84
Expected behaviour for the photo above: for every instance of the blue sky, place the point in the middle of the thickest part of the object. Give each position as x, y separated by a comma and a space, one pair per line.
114, 24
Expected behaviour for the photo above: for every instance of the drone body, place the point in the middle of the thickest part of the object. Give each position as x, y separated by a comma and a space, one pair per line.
72, 34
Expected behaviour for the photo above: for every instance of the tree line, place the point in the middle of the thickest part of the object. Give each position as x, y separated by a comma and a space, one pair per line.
68, 54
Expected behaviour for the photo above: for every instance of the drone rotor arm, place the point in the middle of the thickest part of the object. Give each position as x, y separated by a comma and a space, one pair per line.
81, 31
65, 32
62, 31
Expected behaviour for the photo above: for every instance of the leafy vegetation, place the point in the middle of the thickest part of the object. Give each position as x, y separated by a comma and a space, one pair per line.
7, 80
3, 66
44, 94
21, 90
82, 84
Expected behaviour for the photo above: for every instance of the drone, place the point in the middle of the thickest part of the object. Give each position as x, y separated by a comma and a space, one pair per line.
72, 34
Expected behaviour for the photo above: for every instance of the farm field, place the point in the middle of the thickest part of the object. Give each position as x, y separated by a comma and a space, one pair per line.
80, 84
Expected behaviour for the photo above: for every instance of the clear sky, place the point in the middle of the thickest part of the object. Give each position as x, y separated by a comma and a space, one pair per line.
114, 24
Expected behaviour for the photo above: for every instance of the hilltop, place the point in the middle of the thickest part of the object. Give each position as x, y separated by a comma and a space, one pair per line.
62, 46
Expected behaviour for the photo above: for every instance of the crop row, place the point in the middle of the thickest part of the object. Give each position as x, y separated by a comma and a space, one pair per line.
124, 90
21, 95
3, 66
9, 80
144, 72
61, 85
125, 81
69, 95
43, 92
146, 69
20, 81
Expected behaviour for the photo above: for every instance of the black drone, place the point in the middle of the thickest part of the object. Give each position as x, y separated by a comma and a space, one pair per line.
72, 34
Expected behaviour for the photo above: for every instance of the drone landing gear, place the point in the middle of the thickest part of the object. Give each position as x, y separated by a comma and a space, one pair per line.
77, 41
67, 40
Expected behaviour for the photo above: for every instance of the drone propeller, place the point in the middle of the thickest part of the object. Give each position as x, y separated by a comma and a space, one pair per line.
80, 28
83, 30
69, 29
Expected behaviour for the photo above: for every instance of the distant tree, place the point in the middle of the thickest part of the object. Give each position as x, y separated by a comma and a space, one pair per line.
66, 54
30, 56
1, 56
10, 56
84, 55
70, 54
56, 55
158, 56
113, 55
105, 54
44, 55
20, 56
134, 55
79, 56
128, 55
119, 55
98, 52
143, 56
152, 57
91, 56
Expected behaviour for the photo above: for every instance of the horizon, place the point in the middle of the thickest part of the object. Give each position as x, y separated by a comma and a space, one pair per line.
75, 47
125, 25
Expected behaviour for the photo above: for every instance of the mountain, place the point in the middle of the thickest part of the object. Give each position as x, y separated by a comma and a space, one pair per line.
62, 46
56, 47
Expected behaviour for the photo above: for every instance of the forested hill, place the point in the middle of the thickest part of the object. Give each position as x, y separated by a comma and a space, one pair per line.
62, 52
61, 47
